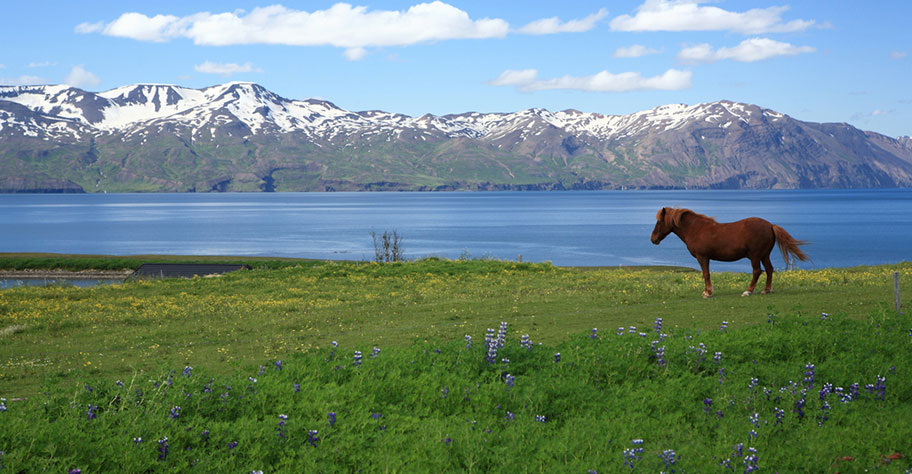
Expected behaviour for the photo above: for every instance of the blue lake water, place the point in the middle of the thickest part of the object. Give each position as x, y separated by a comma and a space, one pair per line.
844, 227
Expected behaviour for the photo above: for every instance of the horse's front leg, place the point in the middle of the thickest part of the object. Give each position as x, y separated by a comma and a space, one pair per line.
704, 265
755, 264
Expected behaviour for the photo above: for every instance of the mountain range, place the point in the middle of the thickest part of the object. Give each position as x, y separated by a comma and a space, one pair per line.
240, 136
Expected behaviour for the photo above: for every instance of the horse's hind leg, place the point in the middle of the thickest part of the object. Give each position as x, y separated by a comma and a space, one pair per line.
768, 265
755, 264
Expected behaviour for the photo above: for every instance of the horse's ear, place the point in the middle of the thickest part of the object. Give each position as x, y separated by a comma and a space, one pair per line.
660, 216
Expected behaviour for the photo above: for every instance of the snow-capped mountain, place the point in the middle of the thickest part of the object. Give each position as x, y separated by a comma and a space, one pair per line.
241, 136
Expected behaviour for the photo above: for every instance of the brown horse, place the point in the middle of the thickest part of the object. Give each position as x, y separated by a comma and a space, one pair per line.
707, 240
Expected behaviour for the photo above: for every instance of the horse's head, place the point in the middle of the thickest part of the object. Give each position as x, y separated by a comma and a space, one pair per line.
665, 223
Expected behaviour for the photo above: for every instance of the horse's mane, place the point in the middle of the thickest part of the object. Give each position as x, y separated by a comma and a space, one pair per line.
677, 213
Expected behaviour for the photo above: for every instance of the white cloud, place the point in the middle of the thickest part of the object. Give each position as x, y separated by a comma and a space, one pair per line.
865, 116
225, 69
41, 64
749, 50
355, 54
23, 80
898, 54
547, 26
526, 80
86, 27
342, 25
634, 51
689, 15
79, 77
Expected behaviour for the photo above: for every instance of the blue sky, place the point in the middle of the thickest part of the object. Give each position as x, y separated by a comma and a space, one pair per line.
822, 61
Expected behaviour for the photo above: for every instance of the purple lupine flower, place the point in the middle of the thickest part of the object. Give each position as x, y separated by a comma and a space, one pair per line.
754, 420
809, 375
799, 407
447, 441
505, 361
251, 380
632, 330
826, 390
540, 418
376, 416
751, 460
491, 345
660, 356
657, 327
853, 391
297, 388
780, 414
717, 357
509, 381
137, 440
510, 416
262, 370
770, 319
724, 326
707, 405
634, 453
175, 412
753, 384
880, 386
281, 429
357, 359
277, 365
468, 340
232, 445
375, 352
208, 387
187, 371
525, 343
641, 334
205, 436
557, 357
118, 383
669, 458
445, 391
502, 335
75, 471
332, 418
824, 409
90, 415
620, 331
594, 334
312, 437
163, 448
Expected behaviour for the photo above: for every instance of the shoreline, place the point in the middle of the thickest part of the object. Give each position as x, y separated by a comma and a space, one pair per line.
66, 274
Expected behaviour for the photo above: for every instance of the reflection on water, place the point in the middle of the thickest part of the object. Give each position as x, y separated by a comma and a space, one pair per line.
6, 283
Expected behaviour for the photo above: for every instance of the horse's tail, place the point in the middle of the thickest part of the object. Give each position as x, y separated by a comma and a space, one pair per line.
788, 245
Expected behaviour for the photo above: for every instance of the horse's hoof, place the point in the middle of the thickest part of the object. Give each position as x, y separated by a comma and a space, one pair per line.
747, 293
707, 294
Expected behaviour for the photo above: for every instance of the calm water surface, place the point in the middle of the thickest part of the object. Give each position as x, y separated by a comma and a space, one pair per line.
845, 227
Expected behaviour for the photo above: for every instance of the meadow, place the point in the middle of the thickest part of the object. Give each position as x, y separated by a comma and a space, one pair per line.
339, 366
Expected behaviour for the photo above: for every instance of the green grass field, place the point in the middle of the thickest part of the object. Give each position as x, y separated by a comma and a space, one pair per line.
605, 391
